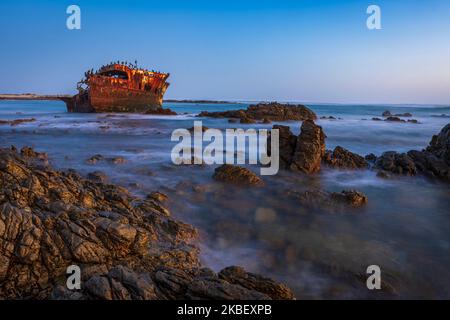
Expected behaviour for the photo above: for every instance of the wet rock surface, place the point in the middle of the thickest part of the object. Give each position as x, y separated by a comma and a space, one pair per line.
332, 202
266, 111
301, 153
126, 247
237, 175
343, 159
434, 161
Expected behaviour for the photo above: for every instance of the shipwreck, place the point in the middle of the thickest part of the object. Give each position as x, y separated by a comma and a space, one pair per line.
119, 87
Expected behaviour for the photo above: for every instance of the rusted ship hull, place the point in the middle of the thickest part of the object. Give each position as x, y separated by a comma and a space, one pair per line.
119, 88
120, 100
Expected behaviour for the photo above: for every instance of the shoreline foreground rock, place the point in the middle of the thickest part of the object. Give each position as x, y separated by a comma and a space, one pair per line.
126, 247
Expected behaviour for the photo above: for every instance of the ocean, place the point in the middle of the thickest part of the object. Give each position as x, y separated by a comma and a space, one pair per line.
404, 229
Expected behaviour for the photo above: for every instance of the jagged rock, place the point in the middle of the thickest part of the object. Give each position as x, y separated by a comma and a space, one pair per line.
270, 111
247, 120
30, 153
97, 176
430, 165
287, 143
303, 153
370, 157
344, 159
440, 144
218, 289
433, 162
399, 163
239, 276
157, 196
309, 149
237, 175
50, 220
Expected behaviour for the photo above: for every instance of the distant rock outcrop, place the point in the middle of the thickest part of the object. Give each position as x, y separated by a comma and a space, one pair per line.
266, 112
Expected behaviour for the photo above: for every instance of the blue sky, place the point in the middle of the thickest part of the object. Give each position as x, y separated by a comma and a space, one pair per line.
304, 50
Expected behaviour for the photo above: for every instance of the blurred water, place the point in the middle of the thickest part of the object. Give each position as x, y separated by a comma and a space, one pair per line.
405, 228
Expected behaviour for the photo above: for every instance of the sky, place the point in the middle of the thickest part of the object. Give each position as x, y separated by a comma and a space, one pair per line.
304, 50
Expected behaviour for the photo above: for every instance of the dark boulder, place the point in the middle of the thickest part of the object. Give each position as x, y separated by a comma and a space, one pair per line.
343, 159
399, 163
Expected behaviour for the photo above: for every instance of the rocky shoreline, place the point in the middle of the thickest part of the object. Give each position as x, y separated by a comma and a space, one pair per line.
126, 247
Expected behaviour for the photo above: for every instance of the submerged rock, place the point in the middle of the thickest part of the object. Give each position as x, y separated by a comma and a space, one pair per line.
266, 111
237, 175
16, 122
126, 247
321, 200
97, 176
